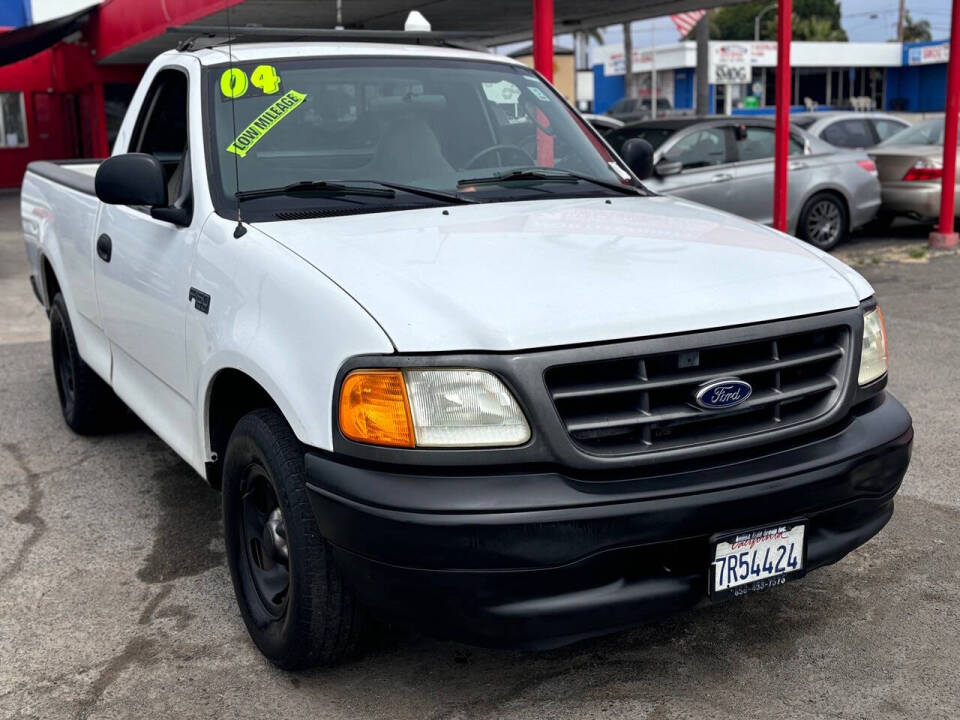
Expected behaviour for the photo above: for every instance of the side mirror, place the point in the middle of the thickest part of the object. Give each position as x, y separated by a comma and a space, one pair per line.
665, 168
638, 155
131, 179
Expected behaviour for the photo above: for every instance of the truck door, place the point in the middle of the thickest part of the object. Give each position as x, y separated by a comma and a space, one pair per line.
143, 269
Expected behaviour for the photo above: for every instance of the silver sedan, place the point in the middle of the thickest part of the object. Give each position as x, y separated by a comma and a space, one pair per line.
727, 163
911, 168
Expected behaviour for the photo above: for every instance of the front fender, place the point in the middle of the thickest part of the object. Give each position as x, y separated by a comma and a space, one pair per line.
276, 318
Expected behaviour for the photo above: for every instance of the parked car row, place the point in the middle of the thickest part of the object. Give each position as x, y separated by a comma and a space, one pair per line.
727, 163
835, 186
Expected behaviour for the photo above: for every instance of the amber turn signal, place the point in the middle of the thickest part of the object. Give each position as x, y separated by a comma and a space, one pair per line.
374, 408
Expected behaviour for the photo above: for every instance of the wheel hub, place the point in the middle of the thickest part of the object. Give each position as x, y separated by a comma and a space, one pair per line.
265, 542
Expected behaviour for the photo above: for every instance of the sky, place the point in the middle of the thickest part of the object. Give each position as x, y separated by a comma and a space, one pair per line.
864, 20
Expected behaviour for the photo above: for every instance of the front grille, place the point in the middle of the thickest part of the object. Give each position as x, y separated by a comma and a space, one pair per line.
643, 404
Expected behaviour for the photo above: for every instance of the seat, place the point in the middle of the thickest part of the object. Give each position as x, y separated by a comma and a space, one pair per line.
409, 151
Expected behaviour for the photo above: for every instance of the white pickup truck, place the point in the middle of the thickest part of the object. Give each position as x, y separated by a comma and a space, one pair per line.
447, 358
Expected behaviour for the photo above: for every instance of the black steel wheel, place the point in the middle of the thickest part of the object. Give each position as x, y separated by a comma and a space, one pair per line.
290, 592
265, 540
88, 404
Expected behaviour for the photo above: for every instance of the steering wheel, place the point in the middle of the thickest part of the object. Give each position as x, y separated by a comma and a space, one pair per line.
518, 151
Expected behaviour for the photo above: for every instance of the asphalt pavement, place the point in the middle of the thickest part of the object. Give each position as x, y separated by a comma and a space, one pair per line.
115, 601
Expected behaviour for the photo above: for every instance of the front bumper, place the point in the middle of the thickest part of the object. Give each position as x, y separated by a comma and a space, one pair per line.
539, 558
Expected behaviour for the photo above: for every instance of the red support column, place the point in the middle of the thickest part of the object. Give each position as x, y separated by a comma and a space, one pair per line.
945, 236
543, 38
782, 130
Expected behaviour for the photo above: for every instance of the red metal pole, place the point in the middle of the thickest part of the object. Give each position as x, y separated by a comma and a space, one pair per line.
782, 130
543, 38
945, 236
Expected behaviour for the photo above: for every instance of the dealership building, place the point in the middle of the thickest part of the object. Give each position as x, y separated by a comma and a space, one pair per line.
905, 77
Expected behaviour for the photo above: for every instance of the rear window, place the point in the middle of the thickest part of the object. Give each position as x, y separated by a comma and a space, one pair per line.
653, 135
849, 134
929, 132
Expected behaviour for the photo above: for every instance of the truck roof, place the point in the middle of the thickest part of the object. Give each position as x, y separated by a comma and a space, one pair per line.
252, 52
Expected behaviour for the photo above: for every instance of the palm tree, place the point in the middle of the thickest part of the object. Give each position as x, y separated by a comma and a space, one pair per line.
918, 31
817, 29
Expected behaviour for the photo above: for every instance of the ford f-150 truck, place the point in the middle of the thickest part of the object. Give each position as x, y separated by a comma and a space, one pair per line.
450, 362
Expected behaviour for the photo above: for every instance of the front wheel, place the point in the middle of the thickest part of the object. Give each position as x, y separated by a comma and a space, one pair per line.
823, 221
290, 593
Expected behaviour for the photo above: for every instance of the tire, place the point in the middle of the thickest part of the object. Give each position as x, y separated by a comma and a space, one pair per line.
824, 221
272, 538
88, 404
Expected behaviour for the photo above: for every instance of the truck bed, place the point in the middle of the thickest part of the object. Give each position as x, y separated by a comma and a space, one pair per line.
76, 174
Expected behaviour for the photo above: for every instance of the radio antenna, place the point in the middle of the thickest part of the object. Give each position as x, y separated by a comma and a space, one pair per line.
240, 230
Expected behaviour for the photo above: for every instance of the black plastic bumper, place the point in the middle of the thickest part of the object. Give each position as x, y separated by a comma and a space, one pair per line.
539, 559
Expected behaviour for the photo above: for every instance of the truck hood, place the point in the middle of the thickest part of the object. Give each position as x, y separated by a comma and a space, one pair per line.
521, 275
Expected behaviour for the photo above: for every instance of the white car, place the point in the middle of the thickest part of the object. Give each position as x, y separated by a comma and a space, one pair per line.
448, 359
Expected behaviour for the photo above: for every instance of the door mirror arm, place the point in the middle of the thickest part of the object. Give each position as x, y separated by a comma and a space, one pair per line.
179, 216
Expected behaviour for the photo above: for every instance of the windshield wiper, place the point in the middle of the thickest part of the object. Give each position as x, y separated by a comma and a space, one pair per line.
315, 188
441, 195
536, 174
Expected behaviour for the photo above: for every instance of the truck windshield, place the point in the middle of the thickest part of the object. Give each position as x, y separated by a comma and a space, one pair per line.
424, 123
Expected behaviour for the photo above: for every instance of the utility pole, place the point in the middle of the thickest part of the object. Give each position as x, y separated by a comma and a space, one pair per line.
900, 19
703, 65
628, 86
654, 94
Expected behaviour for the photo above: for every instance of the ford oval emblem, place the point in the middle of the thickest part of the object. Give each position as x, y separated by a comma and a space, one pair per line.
723, 394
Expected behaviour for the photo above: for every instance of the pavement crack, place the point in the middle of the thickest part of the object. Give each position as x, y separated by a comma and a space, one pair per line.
29, 515
138, 651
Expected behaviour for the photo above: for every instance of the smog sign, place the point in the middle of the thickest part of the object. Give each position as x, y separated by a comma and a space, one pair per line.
729, 63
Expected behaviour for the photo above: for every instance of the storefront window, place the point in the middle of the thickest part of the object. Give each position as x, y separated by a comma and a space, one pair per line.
13, 120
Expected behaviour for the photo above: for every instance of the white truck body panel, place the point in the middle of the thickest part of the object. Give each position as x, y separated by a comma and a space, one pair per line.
293, 300
545, 273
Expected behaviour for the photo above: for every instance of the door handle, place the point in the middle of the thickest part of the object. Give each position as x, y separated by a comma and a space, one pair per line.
104, 247
796, 165
721, 177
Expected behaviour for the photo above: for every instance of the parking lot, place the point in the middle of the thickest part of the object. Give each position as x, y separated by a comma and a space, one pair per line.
115, 600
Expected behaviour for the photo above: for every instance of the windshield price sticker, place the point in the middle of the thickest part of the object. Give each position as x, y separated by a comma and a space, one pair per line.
265, 122
538, 93
235, 83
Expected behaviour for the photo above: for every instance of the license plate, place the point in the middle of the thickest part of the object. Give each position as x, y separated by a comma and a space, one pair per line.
757, 559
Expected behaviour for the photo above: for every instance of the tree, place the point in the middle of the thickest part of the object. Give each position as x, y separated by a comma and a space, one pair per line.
812, 20
916, 31
817, 28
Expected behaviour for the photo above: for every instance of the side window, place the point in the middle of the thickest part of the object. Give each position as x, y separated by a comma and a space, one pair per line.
701, 148
161, 128
886, 128
759, 144
13, 121
849, 134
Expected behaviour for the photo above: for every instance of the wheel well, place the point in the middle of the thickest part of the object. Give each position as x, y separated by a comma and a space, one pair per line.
51, 286
233, 394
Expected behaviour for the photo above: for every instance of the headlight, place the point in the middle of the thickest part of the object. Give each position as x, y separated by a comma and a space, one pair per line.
874, 357
444, 407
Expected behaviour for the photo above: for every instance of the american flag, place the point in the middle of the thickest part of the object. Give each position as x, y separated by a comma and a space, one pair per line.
685, 21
